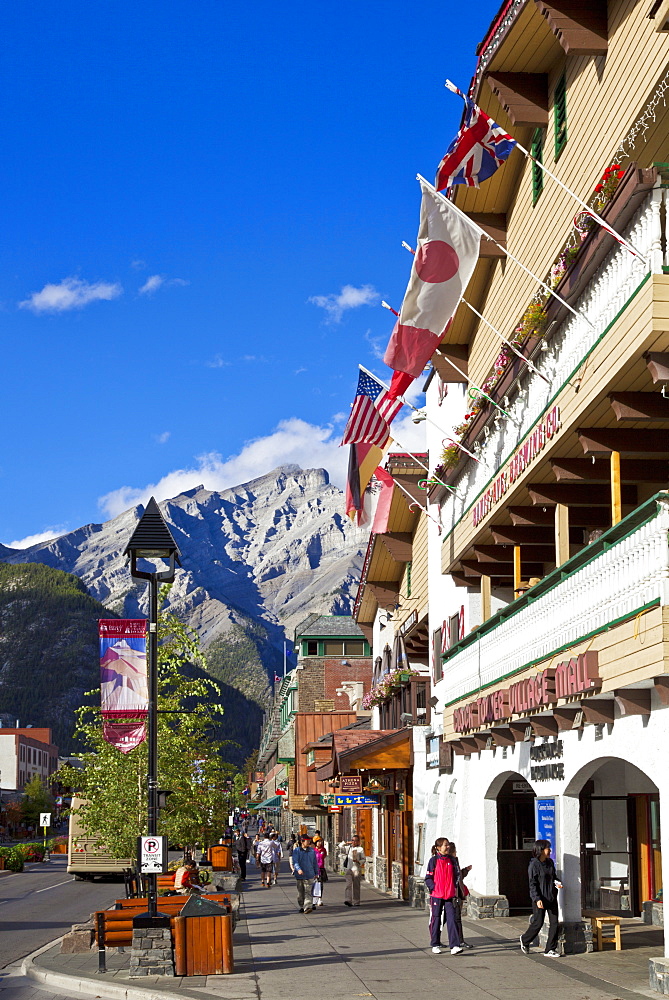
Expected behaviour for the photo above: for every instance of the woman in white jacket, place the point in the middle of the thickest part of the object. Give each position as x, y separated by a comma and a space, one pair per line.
353, 862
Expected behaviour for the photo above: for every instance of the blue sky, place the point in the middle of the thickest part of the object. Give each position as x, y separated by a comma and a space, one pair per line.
203, 205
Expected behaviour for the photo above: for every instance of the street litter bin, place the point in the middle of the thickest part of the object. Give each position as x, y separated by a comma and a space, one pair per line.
220, 856
203, 939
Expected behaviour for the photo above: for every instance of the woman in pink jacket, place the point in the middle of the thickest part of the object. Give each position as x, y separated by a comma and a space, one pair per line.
321, 855
441, 880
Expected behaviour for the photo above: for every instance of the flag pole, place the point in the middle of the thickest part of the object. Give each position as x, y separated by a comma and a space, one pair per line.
508, 343
605, 225
508, 253
414, 501
428, 419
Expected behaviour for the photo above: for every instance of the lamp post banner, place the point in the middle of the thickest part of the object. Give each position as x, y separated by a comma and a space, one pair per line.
124, 696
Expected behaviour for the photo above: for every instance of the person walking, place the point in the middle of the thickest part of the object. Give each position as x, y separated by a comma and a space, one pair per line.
543, 893
440, 880
292, 844
266, 856
460, 875
353, 862
305, 870
321, 855
277, 855
244, 847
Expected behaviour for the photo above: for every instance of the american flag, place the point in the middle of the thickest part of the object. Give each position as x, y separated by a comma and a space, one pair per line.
373, 410
479, 148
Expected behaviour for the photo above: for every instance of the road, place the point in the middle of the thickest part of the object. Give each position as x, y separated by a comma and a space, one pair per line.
42, 902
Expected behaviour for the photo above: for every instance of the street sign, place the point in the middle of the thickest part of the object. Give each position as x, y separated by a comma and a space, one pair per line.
45, 819
355, 800
152, 855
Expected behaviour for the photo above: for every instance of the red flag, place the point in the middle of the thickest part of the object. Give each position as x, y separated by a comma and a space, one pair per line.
382, 512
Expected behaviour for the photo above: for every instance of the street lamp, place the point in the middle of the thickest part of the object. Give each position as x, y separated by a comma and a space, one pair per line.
152, 540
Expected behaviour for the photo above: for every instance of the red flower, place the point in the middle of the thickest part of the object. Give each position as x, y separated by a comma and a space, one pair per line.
599, 188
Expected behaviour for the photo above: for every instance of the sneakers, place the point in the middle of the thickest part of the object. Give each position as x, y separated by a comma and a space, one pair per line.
301, 910
552, 954
523, 947
466, 945
456, 950
346, 903
308, 909
436, 950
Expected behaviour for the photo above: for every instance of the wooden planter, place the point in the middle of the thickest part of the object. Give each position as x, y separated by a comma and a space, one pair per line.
59, 849
203, 945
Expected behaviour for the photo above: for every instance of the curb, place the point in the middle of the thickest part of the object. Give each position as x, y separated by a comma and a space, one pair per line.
89, 987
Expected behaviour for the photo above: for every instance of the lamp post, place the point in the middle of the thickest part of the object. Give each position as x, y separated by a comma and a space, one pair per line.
152, 540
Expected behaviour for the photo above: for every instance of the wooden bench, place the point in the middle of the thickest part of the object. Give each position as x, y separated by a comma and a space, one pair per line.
604, 922
141, 903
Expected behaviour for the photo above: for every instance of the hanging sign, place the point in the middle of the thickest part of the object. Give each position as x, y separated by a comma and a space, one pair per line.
350, 784
355, 800
124, 695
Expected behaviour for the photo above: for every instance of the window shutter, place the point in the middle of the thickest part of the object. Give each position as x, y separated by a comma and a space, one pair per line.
560, 115
537, 150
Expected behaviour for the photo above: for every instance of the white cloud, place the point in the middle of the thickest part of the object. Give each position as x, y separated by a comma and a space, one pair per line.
152, 284
42, 536
137, 265
377, 345
156, 281
292, 441
70, 293
350, 297
217, 362
163, 438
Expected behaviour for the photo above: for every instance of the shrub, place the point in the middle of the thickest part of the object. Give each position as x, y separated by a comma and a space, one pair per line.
14, 860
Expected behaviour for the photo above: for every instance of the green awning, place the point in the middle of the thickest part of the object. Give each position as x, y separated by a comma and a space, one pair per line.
272, 803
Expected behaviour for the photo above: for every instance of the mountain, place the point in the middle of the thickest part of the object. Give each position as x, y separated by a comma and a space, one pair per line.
256, 559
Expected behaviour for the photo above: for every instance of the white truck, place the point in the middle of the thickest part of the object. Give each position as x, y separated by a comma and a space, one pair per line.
86, 858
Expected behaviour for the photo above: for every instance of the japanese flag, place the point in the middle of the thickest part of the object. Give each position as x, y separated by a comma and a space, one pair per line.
447, 251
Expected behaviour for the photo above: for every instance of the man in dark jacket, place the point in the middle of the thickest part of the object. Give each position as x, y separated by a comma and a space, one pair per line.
543, 893
243, 845
305, 870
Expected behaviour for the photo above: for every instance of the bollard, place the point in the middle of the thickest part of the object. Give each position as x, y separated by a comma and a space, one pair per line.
102, 958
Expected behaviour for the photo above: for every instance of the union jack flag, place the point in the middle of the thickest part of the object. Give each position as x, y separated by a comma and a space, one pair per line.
479, 148
374, 408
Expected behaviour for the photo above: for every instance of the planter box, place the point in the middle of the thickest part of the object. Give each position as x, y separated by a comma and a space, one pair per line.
203, 945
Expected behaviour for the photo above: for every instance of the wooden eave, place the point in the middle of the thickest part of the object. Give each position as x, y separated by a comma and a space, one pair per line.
391, 750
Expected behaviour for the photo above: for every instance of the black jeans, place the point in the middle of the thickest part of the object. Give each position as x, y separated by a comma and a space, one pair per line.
537, 922
242, 863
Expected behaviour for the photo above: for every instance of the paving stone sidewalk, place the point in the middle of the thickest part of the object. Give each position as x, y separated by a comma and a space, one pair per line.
379, 950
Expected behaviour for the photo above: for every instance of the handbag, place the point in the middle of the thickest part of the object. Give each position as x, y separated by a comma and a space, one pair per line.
346, 861
316, 890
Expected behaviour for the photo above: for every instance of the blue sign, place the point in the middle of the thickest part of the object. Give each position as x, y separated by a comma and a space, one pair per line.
546, 822
355, 800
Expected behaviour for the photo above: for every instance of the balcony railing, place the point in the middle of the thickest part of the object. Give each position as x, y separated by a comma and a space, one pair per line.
605, 295
624, 571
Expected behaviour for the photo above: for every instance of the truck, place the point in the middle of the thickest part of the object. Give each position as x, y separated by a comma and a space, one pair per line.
86, 858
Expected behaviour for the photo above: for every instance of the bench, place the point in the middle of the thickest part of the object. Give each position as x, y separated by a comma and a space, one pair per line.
168, 902
602, 922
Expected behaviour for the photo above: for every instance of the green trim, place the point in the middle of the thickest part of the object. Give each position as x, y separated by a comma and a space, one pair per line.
537, 150
559, 649
560, 115
550, 403
612, 536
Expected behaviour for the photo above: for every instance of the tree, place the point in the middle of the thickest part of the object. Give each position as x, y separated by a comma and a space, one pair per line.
189, 760
38, 800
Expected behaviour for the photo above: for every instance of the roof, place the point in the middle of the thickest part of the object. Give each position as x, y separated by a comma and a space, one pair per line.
345, 740
330, 626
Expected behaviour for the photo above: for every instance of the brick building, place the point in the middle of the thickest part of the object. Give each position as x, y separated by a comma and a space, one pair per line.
25, 752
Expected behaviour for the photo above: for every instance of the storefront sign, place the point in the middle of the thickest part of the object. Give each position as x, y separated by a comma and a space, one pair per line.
546, 822
579, 675
432, 751
355, 800
409, 623
521, 460
327, 800
350, 784
334, 809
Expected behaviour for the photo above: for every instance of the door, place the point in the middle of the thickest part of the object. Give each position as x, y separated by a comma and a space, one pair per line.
515, 839
608, 828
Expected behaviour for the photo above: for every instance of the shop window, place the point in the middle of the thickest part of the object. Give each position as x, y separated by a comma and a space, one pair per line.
560, 115
353, 647
333, 647
537, 151
436, 655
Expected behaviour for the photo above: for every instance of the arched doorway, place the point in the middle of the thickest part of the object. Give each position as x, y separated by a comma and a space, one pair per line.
621, 857
515, 836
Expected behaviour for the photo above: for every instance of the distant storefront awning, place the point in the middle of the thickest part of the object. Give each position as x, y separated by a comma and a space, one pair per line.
274, 802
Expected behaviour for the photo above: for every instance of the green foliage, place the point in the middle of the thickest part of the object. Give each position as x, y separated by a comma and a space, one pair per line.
38, 800
48, 646
14, 858
190, 762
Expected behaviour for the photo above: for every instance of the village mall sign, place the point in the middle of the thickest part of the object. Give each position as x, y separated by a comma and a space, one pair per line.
579, 675
522, 458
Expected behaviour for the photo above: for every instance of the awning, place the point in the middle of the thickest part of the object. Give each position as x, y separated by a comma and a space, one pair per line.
390, 750
274, 802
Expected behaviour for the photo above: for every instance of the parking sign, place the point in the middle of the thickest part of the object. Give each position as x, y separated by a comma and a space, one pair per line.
152, 855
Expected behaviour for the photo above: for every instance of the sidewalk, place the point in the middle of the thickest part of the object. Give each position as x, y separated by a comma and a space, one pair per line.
380, 950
